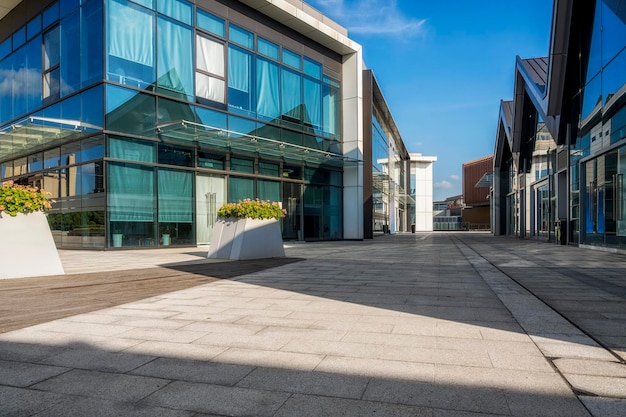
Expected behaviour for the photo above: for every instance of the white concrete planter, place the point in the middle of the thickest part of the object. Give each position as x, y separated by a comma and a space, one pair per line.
246, 239
27, 248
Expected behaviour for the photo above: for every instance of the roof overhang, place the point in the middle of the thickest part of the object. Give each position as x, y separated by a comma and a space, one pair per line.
559, 44
7, 6
299, 16
247, 144
33, 133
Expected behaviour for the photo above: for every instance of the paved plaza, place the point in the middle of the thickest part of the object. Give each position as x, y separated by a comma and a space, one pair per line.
432, 324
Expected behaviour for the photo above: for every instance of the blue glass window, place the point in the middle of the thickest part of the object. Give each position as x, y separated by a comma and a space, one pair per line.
292, 59
91, 45
240, 96
210, 23
32, 89
239, 189
312, 103
267, 48
92, 106
130, 44
175, 68
175, 196
312, 69
19, 38
241, 36
68, 5
131, 193
242, 165
34, 27
268, 89
595, 49
176, 9
211, 118
5, 48
613, 33
331, 108
291, 94
51, 15
122, 106
132, 150
70, 58
146, 3
51, 58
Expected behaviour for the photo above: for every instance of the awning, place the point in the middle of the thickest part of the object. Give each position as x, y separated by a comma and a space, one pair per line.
246, 143
34, 133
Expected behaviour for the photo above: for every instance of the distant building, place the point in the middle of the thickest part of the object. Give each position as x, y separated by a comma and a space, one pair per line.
560, 148
477, 181
447, 214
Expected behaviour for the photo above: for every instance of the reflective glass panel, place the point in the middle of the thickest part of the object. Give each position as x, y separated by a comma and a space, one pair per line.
70, 53
122, 106
209, 22
51, 15
291, 94
268, 90
176, 9
131, 193
175, 155
34, 27
239, 189
312, 68
175, 196
35, 162
175, 68
52, 158
613, 32
242, 165
292, 59
130, 47
91, 44
267, 48
240, 96
268, 190
241, 36
131, 150
19, 37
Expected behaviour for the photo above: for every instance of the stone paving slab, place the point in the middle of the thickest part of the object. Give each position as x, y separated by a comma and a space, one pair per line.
405, 325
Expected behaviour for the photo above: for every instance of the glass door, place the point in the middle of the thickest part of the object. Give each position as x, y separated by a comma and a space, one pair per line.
292, 196
210, 196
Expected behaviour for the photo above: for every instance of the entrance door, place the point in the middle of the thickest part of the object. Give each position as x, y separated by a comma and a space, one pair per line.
210, 196
292, 197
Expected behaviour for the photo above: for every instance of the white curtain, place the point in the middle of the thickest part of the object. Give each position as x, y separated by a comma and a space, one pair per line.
209, 56
130, 33
210, 88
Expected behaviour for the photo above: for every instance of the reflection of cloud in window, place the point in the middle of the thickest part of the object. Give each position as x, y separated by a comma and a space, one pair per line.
20, 81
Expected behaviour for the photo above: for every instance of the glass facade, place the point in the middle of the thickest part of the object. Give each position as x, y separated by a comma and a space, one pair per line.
99, 83
597, 159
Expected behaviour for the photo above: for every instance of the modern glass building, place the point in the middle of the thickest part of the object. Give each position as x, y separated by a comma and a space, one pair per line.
142, 117
561, 147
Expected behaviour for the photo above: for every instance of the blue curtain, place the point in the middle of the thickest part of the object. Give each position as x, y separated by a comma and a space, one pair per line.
291, 94
175, 66
240, 189
238, 70
131, 150
175, 196
268, 93
177, 9
130, 33
313, 103
131, 193
268, 190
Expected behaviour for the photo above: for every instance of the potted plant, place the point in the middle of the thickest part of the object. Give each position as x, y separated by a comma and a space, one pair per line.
22, 218
116, 237
166, 236
249, 229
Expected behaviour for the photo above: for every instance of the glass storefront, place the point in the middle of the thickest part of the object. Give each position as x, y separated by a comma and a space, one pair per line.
184, 118
597, 158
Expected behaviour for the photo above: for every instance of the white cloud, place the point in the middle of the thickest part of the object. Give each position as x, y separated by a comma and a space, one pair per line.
372, 17
454, 178
445, 185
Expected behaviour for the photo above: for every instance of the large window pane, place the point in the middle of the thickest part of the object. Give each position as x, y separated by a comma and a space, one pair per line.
131, 150
130, 35
91, 44
239, 189
210, 56
292, 59
268, 190
175, 198
312, 103
312, 68
239, 79
291, 89
123, 106
613, 32
268, 91
131, 193
210, 88
70, 53
32, 75
331, 108
175, 68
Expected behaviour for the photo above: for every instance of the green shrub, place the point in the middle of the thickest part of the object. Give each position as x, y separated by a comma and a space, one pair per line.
16, 199
252, 209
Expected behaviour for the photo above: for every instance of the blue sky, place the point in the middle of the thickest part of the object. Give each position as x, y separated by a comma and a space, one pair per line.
444, 66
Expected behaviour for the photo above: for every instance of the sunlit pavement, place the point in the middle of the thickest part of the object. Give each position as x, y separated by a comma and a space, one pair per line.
442, 325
